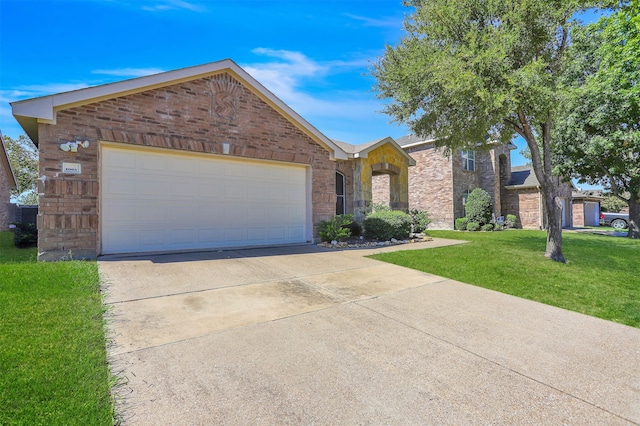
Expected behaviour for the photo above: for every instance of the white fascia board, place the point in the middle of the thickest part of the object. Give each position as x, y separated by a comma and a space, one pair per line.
43, 109
365, 152
424, 142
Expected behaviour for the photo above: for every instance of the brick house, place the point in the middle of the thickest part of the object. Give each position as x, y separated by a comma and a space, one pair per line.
196, 158
586, 208
7, 183
440, 184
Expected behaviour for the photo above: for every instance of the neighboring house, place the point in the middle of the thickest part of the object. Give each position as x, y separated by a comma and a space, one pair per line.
7, 183
198, 158
586, 208
440, 184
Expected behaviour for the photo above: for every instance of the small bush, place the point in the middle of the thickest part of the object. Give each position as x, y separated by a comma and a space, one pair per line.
510, 221
384, 225
487, 227
461, 223
355, 228
336, 228
419, 220
473, 226
478, 207
25, 235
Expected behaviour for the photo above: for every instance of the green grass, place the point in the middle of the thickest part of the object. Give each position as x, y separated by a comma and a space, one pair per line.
53, 365
602, 278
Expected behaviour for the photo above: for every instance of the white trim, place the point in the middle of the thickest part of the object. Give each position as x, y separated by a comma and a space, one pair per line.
29, 112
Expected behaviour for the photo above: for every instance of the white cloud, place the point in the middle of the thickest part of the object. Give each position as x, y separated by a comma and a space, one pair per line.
36, 90
291, 74
128, 72
373, 22
163, 6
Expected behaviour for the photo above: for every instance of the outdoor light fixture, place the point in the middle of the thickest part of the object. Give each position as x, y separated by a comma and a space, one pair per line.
225, 147
73, 146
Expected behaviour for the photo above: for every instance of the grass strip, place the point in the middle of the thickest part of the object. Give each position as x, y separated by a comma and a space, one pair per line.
53, 361
602, 278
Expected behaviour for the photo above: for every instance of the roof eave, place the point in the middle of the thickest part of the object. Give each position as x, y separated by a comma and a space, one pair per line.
30, 112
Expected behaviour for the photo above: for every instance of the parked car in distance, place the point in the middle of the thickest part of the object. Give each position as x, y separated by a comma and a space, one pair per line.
615, 220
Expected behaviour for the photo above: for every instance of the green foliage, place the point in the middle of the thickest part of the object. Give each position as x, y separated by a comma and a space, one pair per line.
461, 223
510, 221
601, 279
419, 220
469, 73
479, 207
487, 227
25, 235
355, 228
23, 156
384, 225
598, 139
611, 203
473, 226
336, 228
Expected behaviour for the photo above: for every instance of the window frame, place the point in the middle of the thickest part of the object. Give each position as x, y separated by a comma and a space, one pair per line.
468, 160
343, 195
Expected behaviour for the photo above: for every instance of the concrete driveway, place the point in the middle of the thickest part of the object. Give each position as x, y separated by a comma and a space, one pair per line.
302, 335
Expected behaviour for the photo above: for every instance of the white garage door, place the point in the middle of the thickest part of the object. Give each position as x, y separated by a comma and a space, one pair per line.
157, 201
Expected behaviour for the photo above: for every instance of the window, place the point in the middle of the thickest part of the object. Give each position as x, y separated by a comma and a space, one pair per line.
465, 196
469, 161
340, 193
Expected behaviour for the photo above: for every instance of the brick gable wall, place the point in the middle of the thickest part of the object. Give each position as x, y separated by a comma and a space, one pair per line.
190, 116
431, 185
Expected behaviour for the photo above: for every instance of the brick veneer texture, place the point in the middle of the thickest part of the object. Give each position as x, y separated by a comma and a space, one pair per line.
191, 116
431, 185
578, 213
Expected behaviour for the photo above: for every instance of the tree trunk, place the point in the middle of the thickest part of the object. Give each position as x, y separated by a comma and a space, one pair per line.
634, 217
554, 225
548, 184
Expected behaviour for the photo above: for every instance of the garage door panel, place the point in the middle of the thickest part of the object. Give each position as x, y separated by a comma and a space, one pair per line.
154, 201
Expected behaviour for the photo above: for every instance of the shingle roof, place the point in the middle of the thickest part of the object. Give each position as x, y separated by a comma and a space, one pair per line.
524, 177
413, 140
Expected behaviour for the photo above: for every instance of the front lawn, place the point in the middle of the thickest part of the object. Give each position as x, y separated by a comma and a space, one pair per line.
53, 363
602, 277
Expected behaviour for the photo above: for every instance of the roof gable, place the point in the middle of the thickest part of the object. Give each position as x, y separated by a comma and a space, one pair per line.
363, 150
30, 112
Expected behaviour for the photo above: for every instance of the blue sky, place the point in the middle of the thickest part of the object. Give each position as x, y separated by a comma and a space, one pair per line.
314, 55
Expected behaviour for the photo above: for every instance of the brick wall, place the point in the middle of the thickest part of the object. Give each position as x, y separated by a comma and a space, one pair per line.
195, 116
578, 213
431, 185
525, 204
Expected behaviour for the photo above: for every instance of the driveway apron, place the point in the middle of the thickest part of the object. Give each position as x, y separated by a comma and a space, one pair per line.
304, 335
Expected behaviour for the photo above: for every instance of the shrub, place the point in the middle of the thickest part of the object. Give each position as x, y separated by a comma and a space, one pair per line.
478, 207
355, 228
419, 220
461, 223
487, 227
473, 226
510, 221
336, 228
25, 235
384, 225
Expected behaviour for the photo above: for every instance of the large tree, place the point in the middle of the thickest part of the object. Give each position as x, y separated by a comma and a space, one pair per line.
598, 141
470, 72
23, 156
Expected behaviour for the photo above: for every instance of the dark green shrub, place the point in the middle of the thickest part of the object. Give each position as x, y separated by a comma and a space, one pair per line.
478, 207
461, 223
25, 235
510, 221
384, 225
419, 220
355, 228
336, 228
487, 227
473, 226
